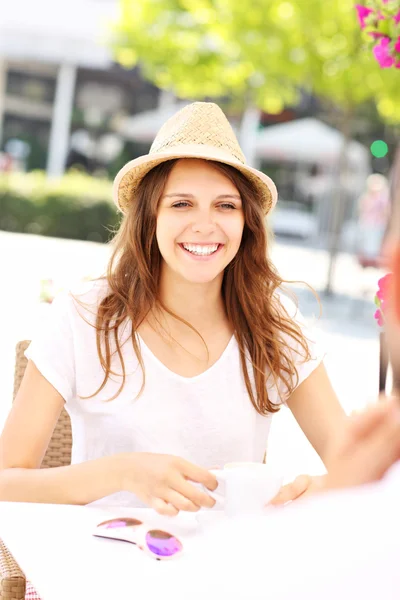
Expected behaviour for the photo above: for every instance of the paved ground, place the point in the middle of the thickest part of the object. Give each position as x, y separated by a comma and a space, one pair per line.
347, 320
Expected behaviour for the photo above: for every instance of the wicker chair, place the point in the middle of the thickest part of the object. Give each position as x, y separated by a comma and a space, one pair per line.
58, 454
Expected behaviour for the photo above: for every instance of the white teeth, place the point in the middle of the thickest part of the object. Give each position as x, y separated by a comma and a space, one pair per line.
201, 250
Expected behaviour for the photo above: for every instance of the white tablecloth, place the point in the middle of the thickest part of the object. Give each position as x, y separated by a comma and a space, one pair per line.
339, 546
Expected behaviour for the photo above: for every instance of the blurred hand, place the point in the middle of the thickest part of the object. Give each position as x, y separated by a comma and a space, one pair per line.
302, 486
163, 482
366, 448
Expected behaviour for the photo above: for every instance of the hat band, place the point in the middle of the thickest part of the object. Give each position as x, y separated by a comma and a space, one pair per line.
201, 150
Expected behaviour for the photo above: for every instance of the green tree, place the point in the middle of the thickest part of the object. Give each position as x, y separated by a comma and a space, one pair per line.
263, 51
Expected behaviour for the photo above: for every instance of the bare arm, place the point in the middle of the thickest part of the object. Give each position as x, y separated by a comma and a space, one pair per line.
23, 444
161, 481
317, 410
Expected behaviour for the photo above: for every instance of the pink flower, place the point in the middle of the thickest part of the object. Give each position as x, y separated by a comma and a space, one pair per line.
362, 13
397, 45
397, 18
380, 294
381, 298
381, 53
385, 282
379, 318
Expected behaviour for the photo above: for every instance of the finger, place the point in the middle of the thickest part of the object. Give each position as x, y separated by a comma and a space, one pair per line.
198, 474
180, 502
193, 493
163, 508
293, 490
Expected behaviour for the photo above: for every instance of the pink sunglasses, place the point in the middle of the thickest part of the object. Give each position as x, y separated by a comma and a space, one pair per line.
155, 542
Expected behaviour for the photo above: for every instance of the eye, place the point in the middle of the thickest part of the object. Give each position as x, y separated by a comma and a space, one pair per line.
227, 206
181, 204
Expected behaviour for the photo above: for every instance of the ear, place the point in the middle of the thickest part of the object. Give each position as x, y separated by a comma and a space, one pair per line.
396, 280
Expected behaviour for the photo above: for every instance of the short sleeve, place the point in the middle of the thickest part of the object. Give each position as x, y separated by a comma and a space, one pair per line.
52, 347
314, 340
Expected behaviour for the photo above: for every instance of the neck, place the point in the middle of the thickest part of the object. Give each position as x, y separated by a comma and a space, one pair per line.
200, 304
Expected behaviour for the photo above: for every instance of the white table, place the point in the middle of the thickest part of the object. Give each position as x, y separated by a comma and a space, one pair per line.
335, 546
54, 546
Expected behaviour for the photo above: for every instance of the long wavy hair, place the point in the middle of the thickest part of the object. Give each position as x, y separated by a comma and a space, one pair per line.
261, 324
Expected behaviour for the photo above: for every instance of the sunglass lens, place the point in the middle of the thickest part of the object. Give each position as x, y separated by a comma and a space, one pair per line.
162, 543
125, 522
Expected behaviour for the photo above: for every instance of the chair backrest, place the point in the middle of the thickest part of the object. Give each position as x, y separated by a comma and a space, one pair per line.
58, 453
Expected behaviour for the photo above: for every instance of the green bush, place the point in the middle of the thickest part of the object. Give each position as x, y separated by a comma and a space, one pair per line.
77, 206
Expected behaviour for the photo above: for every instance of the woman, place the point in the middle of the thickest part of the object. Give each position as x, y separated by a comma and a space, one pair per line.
176, 361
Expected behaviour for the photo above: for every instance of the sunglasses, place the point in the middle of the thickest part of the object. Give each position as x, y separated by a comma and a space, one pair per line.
155, 542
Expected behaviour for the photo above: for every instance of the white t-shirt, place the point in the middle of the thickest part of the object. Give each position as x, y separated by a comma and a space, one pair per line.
207, 419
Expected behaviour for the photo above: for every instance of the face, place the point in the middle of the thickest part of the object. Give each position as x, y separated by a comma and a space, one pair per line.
200, 222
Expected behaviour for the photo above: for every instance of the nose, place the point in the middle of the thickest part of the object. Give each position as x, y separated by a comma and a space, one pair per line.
203, 223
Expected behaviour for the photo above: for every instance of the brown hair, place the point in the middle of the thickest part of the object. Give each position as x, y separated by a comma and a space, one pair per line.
261, 324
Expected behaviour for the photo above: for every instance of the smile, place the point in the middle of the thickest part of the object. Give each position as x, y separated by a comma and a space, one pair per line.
201, 249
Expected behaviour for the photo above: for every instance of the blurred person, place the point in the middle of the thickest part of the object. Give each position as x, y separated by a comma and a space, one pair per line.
389, 245
390, 237
373, 211
392, 253
6, 162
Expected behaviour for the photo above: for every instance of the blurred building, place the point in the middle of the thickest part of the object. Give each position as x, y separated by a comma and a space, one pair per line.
57, 78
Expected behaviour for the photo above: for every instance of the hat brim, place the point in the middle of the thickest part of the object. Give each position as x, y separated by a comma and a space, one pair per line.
129, 177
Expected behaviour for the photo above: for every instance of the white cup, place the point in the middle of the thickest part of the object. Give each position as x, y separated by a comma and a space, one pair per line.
245, 488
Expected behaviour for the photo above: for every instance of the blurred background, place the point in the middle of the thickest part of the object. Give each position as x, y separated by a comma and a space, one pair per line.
85, 86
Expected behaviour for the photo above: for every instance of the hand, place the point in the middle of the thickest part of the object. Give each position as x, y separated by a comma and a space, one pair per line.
303, 485
163, 482
368, 445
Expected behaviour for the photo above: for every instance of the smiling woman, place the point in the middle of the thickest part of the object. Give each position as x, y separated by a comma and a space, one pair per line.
176, 360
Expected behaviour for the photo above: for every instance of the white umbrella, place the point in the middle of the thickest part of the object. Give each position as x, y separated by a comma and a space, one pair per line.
144, 126
307, 140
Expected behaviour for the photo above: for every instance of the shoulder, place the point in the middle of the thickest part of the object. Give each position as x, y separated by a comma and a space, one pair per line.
83, 299
90, 292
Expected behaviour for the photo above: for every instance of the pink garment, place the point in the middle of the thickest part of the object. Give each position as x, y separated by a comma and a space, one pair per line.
374, 208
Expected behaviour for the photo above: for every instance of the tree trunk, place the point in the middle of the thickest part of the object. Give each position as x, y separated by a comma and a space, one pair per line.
339, 203
248, 133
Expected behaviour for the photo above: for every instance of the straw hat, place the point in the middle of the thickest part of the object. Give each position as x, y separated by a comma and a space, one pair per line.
199, 130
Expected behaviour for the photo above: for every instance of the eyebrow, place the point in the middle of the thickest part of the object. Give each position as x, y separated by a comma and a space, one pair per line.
191, 196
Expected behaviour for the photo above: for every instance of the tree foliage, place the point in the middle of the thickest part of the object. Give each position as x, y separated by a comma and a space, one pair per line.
265, 50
